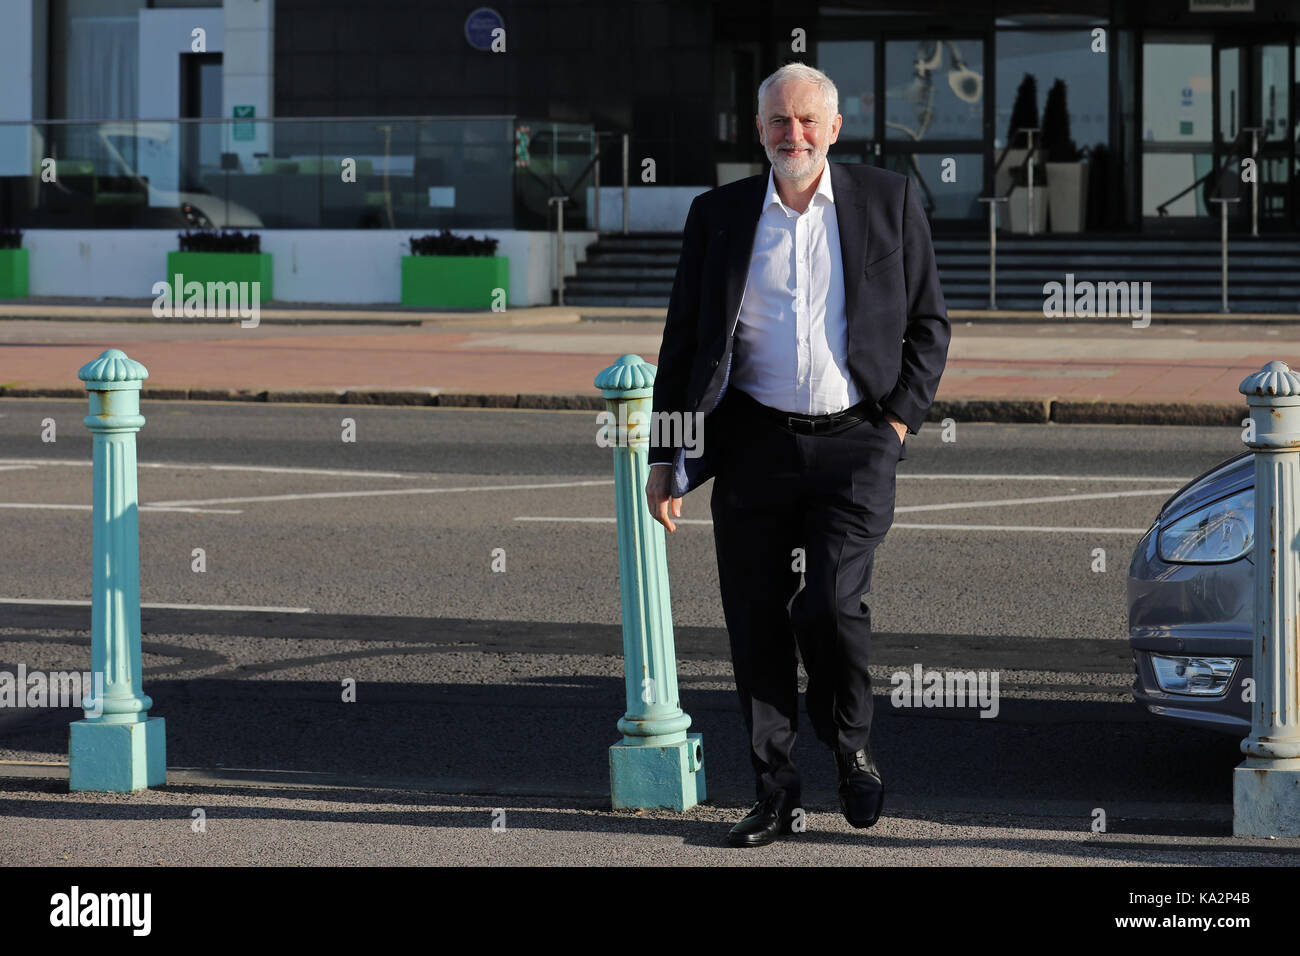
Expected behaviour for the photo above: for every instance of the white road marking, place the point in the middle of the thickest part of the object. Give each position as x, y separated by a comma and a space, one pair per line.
1045, 499
928, 527
953, 506
15, 467
170, 607
267, 469
1019, 527
608, 520
975, 477
347, 473
35, 506
381, 493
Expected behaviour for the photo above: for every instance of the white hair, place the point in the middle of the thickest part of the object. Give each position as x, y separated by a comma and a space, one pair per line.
802, 71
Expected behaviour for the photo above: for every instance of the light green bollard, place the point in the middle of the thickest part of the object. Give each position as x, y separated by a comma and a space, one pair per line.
657, 764
123, 748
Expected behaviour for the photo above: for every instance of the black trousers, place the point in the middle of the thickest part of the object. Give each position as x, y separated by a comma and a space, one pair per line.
831, 495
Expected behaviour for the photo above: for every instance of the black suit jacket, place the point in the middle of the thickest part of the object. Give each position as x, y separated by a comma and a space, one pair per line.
898, 326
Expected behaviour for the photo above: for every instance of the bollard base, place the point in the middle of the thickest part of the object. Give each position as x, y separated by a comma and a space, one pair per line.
117, 758
668, 776
1266, 798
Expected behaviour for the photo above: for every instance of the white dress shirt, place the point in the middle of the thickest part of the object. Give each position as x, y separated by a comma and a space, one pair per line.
791, 349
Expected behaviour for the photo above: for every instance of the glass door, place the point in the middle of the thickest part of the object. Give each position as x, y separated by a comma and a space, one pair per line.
1202, 99
1254, 113
915, 106
1178, 130
851, 65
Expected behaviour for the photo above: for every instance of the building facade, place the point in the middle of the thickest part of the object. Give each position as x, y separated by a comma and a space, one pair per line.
452, 115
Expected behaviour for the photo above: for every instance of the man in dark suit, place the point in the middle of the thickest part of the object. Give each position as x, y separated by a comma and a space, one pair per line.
807, 326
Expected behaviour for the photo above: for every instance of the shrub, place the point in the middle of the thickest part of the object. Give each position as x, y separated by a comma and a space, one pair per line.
1024, 112
213, 241
446, 244
1057, 144
11, 238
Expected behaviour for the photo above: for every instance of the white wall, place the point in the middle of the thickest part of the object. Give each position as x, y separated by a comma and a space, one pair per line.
248, 70
164, 35
336, 266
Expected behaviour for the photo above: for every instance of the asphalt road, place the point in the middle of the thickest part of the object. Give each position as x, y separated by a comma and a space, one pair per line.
373, 561
405, 520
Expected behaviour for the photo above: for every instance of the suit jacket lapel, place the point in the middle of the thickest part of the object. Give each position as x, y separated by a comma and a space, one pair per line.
742, 226
851, 215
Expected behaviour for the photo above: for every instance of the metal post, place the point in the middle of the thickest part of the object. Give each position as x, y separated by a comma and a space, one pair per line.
558, 272
1223, 249
121, 748
1029, 173
657, 763
1254, 186
595, 192
1266, 785
993, 246
625, 175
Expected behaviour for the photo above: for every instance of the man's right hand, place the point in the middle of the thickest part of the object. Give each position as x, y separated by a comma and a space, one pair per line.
658, 493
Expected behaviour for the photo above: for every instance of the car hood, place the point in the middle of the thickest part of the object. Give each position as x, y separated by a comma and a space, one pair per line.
1225, 478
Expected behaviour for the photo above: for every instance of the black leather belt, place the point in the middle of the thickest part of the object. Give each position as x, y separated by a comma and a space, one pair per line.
809, 424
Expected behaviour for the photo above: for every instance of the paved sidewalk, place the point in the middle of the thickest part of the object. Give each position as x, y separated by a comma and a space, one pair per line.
1094, 371
456, 725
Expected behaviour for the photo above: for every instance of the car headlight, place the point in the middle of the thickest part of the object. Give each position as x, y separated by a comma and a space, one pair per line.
1196, 676
1223, 530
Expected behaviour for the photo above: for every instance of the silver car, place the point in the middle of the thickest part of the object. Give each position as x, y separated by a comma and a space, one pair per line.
1191, 597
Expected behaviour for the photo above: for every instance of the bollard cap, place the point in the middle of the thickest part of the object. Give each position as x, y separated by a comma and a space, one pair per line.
1274, 380
630, 377
112, 370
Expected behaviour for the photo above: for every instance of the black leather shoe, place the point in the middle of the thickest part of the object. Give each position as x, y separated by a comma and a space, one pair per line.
771, 816
862, 792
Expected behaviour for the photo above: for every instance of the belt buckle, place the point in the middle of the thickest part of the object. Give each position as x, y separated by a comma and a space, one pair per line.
800, 423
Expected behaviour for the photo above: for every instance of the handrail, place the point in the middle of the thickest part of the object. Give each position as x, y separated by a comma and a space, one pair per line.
1214, 172
1028, 166
1034, 149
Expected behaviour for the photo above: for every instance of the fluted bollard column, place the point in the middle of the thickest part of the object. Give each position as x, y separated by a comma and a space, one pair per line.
123, 748
1266, 786
657, 763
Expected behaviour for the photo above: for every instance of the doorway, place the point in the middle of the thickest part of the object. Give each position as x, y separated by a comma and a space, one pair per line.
1204, 99
200, 98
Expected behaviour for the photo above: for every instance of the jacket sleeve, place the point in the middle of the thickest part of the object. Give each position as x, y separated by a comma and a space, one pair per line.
925, 343
677, 351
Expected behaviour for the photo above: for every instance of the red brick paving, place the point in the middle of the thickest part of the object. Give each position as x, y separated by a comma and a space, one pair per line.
433, 357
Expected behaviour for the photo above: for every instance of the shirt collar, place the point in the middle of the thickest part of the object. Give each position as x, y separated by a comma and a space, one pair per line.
823, 188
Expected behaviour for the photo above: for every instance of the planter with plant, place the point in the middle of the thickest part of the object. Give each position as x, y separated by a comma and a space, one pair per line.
210, 256
455, 272
1067, 181
13, 265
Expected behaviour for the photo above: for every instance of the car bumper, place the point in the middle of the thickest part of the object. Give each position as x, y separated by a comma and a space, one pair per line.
1182, 610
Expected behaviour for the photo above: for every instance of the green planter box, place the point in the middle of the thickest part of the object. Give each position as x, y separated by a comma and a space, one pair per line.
453, 282
208, 267
13, 273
